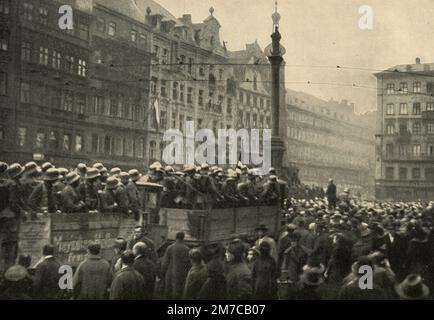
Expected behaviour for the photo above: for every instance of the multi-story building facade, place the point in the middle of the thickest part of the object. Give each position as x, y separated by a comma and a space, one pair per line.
326, 139
404, 167
63, 99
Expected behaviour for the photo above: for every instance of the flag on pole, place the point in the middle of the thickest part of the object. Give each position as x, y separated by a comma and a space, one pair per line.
156, 108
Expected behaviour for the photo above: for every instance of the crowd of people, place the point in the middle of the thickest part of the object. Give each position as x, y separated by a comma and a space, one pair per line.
318, 253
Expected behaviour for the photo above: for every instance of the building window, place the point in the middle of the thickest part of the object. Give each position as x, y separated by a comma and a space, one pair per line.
430, 128
69, 64
403, 87
133, 35
108, 145
229, 106
190, 95
181, 92
190, 65
175, 91
43, 16
26, 51
78, 143
416, 150
416, 108
255, 102
390, 129
163, 120
25, 92
389, 150
83, 31
43, 56
56, 57
201, 71
4, 41
40, 140
28, 11
66, 145
390, 109
99, 105
129, 147
68, 101
95, 142
430, 88
152, 150
143, 40
417, 128
163, 90
53, 141
114, 104
241, 97
416, 87
112, 29
248, 99
174, 120
21, 136
200, 98
100, 25
415, 172
389, 173
402, 173
255, 83
3, 83
81, 103
81, 68
4, 6
403, 108
118, 146
165, 57
430, 107
390, 88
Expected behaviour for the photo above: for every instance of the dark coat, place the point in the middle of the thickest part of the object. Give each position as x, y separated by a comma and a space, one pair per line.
110, 197
331, 193
44, 196
152, 253
128, 284
214, 287
239, 281
92, 279
175, 267
264, 276
47, 279
148, 270
71, 200
196, 278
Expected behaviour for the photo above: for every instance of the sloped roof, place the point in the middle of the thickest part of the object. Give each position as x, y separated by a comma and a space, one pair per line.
136, 9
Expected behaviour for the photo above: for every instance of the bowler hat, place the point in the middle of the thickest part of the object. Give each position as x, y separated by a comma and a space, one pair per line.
30, 167
15, 170
155, 165
46, 166
72, 177
98, 166
92, 173
412, 288
134, 175
51, 174
115, 171
15, 273
112, 183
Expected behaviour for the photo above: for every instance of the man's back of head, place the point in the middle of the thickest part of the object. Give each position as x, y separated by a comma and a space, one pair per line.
48, 250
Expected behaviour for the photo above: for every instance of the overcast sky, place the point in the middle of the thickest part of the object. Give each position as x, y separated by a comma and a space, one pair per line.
326, 33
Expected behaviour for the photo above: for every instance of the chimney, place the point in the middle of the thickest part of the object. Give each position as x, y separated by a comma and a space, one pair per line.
417, 60
186, 18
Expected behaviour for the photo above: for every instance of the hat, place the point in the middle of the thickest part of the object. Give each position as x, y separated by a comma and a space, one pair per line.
51, 174
412, 288
72, 177
3, 167
179, 173
98, 166
104, 172
115, 171
30, 167
112, 183
236, 248
169, 169
204, 166
63, 171
134, 174
124, 175
92, 173
273, 178
155, 165
189, 168
15, 170
15, 273
261, 227
82, 167
272, 170
46, 166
